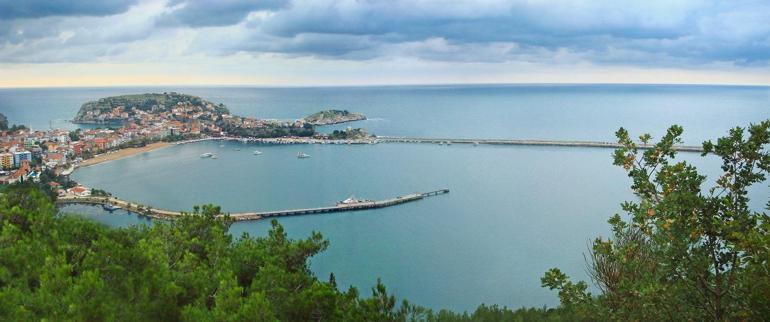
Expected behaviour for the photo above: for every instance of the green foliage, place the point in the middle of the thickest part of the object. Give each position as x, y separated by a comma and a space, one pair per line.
348, 134
145, 102
4, 125
687, 252
75, 135
268, 131
100, 193
64, 268
333, 117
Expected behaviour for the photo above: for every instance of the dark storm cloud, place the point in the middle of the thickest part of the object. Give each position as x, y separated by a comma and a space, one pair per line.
653, 32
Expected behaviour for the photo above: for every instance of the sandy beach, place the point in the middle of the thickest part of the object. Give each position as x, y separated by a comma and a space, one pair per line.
124, 153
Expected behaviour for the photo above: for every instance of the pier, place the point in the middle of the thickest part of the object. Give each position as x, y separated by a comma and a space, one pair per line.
585, 144
402, 139
166, 214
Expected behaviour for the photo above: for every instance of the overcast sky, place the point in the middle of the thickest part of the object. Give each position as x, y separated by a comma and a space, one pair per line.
359, 42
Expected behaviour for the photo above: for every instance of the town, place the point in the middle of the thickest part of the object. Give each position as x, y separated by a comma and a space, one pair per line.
131, 121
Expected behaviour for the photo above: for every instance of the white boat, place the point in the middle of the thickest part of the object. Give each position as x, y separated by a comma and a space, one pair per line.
303, 155
207, 155
110, 207
352, 201
215, 156
257, 152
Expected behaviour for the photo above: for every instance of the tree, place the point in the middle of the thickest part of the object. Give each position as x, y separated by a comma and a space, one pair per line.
74, 135
687, 252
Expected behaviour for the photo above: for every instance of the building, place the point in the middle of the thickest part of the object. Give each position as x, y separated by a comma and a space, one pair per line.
20, 175
56, 158
21, 156
100, 143
80, 191
6, 161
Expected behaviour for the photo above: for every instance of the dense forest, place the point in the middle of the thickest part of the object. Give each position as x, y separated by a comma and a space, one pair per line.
682, 252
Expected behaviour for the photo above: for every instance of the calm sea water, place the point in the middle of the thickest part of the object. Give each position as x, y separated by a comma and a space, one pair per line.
513, 212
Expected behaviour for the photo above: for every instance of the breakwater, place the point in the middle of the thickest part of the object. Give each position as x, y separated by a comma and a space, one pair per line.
400, 139
585, 144
167, 214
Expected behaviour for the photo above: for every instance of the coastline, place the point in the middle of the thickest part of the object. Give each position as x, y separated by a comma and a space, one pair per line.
123, 153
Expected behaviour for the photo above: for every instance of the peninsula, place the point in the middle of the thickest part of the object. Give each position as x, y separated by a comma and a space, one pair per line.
125, 108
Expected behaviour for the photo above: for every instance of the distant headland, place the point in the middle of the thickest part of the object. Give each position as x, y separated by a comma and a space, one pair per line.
119, 109
184, 117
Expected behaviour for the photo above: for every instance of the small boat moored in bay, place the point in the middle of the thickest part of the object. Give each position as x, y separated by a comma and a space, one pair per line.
257, 152
111, 208
302, 155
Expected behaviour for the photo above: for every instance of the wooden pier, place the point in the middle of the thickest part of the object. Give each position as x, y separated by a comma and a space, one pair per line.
586, 144
166, 214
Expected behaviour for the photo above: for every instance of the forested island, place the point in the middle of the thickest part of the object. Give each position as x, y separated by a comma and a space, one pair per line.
329, 117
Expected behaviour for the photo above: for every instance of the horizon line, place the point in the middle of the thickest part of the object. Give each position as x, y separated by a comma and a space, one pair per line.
256, 85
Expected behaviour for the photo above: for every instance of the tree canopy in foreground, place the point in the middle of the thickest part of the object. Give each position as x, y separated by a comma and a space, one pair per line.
685, 253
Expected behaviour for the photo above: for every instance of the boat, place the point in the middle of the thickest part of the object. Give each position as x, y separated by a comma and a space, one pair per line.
352, 201
110, 208
475, 143
257, 152
215, 156
302, 155
207, 155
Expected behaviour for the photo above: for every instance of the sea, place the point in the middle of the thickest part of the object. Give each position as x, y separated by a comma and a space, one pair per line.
512, 212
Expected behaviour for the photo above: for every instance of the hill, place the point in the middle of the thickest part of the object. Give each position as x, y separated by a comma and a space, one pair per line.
116, 109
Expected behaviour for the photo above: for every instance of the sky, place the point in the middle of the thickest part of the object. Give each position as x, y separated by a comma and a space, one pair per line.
367, 42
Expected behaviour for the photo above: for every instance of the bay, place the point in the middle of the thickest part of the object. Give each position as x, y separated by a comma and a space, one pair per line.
512, 213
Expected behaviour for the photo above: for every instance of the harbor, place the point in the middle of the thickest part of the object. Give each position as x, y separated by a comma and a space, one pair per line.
112, 203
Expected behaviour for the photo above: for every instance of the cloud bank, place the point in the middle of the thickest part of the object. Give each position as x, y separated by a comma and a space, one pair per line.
689, 34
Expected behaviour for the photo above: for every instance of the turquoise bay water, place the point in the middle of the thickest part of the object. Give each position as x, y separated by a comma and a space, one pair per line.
512, 213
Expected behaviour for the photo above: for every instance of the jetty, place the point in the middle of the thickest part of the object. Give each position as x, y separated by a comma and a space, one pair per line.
558, 143
403, 139
167, 214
